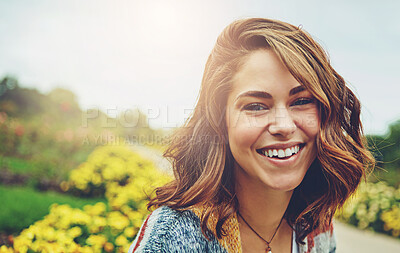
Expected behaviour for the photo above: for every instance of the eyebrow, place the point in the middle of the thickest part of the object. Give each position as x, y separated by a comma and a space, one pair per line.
264, 94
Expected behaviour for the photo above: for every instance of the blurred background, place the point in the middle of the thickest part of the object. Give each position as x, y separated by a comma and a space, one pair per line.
91, 90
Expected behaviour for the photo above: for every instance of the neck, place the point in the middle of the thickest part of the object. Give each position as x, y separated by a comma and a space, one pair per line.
262, 208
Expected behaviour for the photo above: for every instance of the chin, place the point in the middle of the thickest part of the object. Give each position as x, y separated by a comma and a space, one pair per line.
285, 185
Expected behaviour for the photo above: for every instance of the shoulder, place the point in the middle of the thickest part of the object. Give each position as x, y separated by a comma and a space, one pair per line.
320, 241
168, 230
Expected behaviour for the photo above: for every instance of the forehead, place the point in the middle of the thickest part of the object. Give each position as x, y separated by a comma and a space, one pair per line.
263, 70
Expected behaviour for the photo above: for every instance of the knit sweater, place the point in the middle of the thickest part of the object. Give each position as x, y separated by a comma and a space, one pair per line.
167, 230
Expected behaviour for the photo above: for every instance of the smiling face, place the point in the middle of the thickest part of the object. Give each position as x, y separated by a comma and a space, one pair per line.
272, 122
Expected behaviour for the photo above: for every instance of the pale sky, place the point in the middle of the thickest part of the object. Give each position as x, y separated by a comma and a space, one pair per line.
121, 54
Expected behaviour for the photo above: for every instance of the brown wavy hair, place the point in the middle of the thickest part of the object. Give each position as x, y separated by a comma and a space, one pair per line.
200, 154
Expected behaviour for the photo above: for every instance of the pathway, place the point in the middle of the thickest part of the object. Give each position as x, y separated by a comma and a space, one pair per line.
352, 240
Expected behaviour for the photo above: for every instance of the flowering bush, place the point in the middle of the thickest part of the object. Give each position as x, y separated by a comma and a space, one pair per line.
375, 206
109, 167
127, 180
67, 229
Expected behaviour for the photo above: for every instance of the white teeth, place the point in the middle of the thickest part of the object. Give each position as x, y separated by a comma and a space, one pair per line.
281, 153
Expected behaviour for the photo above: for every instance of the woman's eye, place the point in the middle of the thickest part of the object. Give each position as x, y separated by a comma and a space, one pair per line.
255, 107
303, 101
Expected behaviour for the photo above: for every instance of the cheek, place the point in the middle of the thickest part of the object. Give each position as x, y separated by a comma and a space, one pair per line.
242, 134
309, 123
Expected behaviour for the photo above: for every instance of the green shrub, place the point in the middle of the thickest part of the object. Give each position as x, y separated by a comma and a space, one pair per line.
15, 165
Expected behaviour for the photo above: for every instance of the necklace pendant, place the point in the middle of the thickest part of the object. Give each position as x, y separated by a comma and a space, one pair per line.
268, 250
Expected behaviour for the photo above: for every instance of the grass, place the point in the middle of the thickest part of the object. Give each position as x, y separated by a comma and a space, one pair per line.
22, 206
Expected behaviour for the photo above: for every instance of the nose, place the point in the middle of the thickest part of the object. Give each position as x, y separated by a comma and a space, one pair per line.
282, 123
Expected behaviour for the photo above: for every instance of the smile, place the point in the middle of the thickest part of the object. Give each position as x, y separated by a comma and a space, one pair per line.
280, 153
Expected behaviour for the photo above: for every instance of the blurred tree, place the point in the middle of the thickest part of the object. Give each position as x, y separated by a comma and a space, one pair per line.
8, 83
20, 102
392, 151
65, 99
386, 150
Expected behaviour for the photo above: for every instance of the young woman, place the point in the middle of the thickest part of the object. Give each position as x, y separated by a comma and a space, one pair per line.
273, 148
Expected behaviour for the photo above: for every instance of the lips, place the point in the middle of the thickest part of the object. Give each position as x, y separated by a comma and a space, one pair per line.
281, 151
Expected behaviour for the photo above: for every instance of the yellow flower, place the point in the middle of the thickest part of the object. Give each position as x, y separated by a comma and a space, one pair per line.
4, 249
108, 247
96, 240
97, 225
98, 209
117, 220
129, 232
121, 240
74, 232
64, 186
